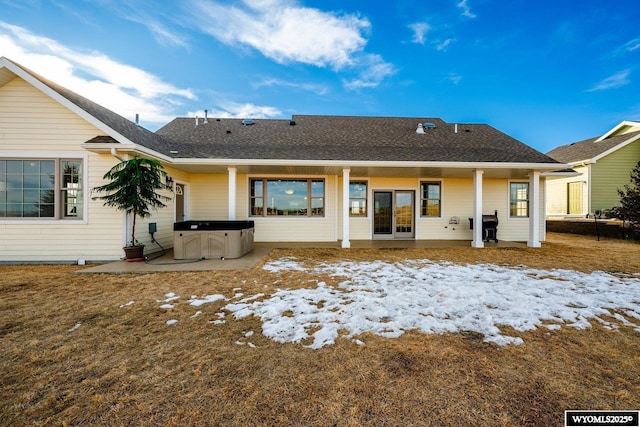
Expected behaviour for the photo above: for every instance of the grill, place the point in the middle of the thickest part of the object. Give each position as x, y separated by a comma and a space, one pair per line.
489, 227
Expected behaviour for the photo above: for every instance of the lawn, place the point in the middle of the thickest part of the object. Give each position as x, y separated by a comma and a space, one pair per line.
239, 348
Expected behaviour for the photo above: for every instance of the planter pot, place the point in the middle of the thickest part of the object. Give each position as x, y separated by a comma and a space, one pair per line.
134, 253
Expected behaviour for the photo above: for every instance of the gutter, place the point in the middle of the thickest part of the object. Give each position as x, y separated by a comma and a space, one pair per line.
114, 153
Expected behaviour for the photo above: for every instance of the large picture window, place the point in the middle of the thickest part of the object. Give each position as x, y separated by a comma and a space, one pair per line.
37, 188
358, 198
286, 197
519, 199
430, 199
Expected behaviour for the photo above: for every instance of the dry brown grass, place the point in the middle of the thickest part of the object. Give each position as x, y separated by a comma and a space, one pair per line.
125, 366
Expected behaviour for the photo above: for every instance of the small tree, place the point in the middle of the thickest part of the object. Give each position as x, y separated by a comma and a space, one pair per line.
133, 187
629, 209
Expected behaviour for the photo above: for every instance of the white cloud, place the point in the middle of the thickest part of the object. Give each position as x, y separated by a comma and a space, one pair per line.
122, 88
309, 87
632, 45
466, 10
287, 32
375, 69
443, 45
612, 82
454, 78
419, 29
160, 32
284, 31
241, 111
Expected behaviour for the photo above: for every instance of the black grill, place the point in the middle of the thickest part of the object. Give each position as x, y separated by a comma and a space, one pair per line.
489, 227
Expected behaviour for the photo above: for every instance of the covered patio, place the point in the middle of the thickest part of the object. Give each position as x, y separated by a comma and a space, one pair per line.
157, 263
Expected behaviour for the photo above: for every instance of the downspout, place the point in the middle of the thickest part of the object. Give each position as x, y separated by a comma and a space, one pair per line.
589, 207
114, 153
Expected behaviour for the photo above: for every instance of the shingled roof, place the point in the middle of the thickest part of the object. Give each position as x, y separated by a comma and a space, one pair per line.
589, 148
307, 137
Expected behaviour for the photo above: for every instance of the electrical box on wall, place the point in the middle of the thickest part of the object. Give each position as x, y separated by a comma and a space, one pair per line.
153, 227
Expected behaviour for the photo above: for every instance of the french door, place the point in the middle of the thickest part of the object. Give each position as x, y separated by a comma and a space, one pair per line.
393, 214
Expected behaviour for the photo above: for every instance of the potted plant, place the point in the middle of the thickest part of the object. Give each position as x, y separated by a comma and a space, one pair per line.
133, 187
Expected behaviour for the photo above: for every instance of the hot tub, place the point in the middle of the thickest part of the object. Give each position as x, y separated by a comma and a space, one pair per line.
212, 239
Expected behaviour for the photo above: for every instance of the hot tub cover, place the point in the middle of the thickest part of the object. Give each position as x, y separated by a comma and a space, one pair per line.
212, 225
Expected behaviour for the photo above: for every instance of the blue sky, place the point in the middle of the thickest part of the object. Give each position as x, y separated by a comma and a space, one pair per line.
548, 72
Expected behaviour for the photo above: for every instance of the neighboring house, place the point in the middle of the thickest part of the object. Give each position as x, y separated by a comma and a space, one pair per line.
604, 165
312, 178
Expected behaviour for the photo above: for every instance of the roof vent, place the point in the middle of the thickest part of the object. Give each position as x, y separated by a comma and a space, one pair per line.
420, 128
228, 131
292, 122
248, 122
428, 125
206, 120
196, 121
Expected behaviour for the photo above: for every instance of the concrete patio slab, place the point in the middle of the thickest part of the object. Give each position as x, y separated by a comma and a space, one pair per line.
157, 263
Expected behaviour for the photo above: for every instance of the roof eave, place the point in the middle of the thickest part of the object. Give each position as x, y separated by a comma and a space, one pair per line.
617, 128
369, 163
560, 174
128, 149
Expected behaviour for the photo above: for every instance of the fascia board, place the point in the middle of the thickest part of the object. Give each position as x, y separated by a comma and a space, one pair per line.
560, 174
128, 148
617, 128
360, 163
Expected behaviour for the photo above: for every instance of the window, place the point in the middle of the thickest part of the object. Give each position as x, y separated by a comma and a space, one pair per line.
519, 199
35, 188
287, 197
358, 198
430, 199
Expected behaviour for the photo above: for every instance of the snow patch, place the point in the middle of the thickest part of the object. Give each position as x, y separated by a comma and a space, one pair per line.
389, 299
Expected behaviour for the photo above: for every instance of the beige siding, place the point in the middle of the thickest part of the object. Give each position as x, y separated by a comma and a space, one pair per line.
610, 173
557, 196
209, 197
32, 125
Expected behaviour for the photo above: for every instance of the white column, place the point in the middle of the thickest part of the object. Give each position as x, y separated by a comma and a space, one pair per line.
345, 208
232, 193
477, 209
534, 210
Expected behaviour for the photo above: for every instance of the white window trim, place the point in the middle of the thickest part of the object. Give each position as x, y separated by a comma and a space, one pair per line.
284, 217
518, 218
85, 187
419, 201
368, 199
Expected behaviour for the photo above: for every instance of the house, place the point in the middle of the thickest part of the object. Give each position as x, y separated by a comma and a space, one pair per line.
604, 165
310, 178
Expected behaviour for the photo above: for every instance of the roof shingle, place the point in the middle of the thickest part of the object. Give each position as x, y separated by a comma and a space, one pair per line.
588, 148
345, 138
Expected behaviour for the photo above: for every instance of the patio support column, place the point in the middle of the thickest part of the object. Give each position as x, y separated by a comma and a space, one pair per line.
534, 210
345, 208
232, 193
477, 209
